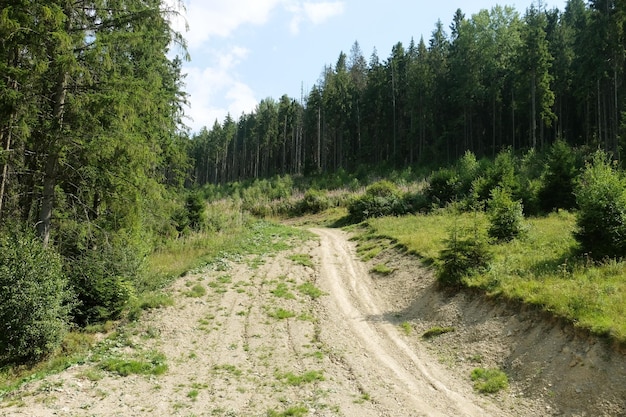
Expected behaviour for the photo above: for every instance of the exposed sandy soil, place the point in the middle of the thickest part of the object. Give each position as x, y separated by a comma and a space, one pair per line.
357, 350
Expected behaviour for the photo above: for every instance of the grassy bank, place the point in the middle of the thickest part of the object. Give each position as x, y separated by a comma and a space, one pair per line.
539, 269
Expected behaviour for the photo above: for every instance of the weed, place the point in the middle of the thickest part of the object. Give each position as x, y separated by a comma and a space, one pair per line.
302, 259
152, 364
381, 269
305, 378
281, 314
406, 328
296, 411
436, 331
489, 381
282, 291
231, 369
311, 290
196, 291
193, 394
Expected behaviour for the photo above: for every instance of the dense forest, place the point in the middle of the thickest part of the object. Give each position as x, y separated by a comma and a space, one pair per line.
92, 153
98, 171
495, 80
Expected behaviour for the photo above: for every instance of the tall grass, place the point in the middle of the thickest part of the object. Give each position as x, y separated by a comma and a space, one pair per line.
541, 269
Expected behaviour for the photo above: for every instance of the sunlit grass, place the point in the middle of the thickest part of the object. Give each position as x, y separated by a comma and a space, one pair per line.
541, 269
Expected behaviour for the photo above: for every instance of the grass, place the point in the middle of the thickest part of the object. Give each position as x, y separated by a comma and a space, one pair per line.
196, 291
305, 378
436, 331
311, 290
281, 314
282, 291
489, 381
540, 269
295, 411
406, 328
381, 269
152, 364
302, 259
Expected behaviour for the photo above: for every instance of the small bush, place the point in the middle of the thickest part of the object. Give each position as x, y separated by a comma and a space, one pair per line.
103, 279
443, 187
314, 201
559, 178
33, 299
437, 331
382, 198
601, 221
500, 174
489, 381
462, 256
506, 216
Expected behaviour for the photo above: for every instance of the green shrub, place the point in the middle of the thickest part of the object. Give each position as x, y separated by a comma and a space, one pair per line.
601, 220
33, 299
314, 201
500, 174
102, 278
462, 256
443, 188
559, 178
506, 216
382, 198
195, 206
489, 381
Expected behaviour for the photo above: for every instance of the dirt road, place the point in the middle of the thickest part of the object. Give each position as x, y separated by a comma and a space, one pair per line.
305, 332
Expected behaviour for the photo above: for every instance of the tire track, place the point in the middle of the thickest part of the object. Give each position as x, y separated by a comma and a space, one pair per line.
420, 384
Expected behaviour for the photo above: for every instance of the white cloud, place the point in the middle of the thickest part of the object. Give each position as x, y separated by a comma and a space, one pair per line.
207, 19
318, 13
314, 12
214, 83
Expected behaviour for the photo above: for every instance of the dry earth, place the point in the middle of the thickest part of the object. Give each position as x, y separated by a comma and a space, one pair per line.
259, 344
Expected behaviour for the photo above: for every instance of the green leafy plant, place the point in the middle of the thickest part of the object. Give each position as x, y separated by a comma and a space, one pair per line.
381, 269
462, 255
382, 198
311, 290
601, 220
505, 215
33, 298
489, 381
437, 331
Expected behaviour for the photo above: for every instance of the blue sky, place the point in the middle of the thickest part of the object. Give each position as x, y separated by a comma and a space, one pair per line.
245, 50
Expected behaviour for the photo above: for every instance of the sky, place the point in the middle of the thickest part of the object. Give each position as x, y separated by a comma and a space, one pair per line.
243, 51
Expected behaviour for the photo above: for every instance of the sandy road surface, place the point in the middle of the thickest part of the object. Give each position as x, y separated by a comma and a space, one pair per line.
260, 342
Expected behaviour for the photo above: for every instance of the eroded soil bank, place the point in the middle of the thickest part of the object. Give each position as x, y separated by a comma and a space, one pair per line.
311, 331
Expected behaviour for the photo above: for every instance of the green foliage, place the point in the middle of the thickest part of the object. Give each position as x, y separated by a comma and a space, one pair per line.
103, 277
462, 255
443, 187
304, 378
152, 364
311, 290
381, 269
437, 331
505, 215
314, 201
601, 220
34, 298
489, 381
559, 179
295, 411
382, 198
500, 174
303, 259
196, 291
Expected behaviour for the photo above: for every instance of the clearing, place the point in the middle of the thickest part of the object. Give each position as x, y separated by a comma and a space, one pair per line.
311, 332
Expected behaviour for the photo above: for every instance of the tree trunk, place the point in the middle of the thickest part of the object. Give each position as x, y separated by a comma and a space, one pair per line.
52, 161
